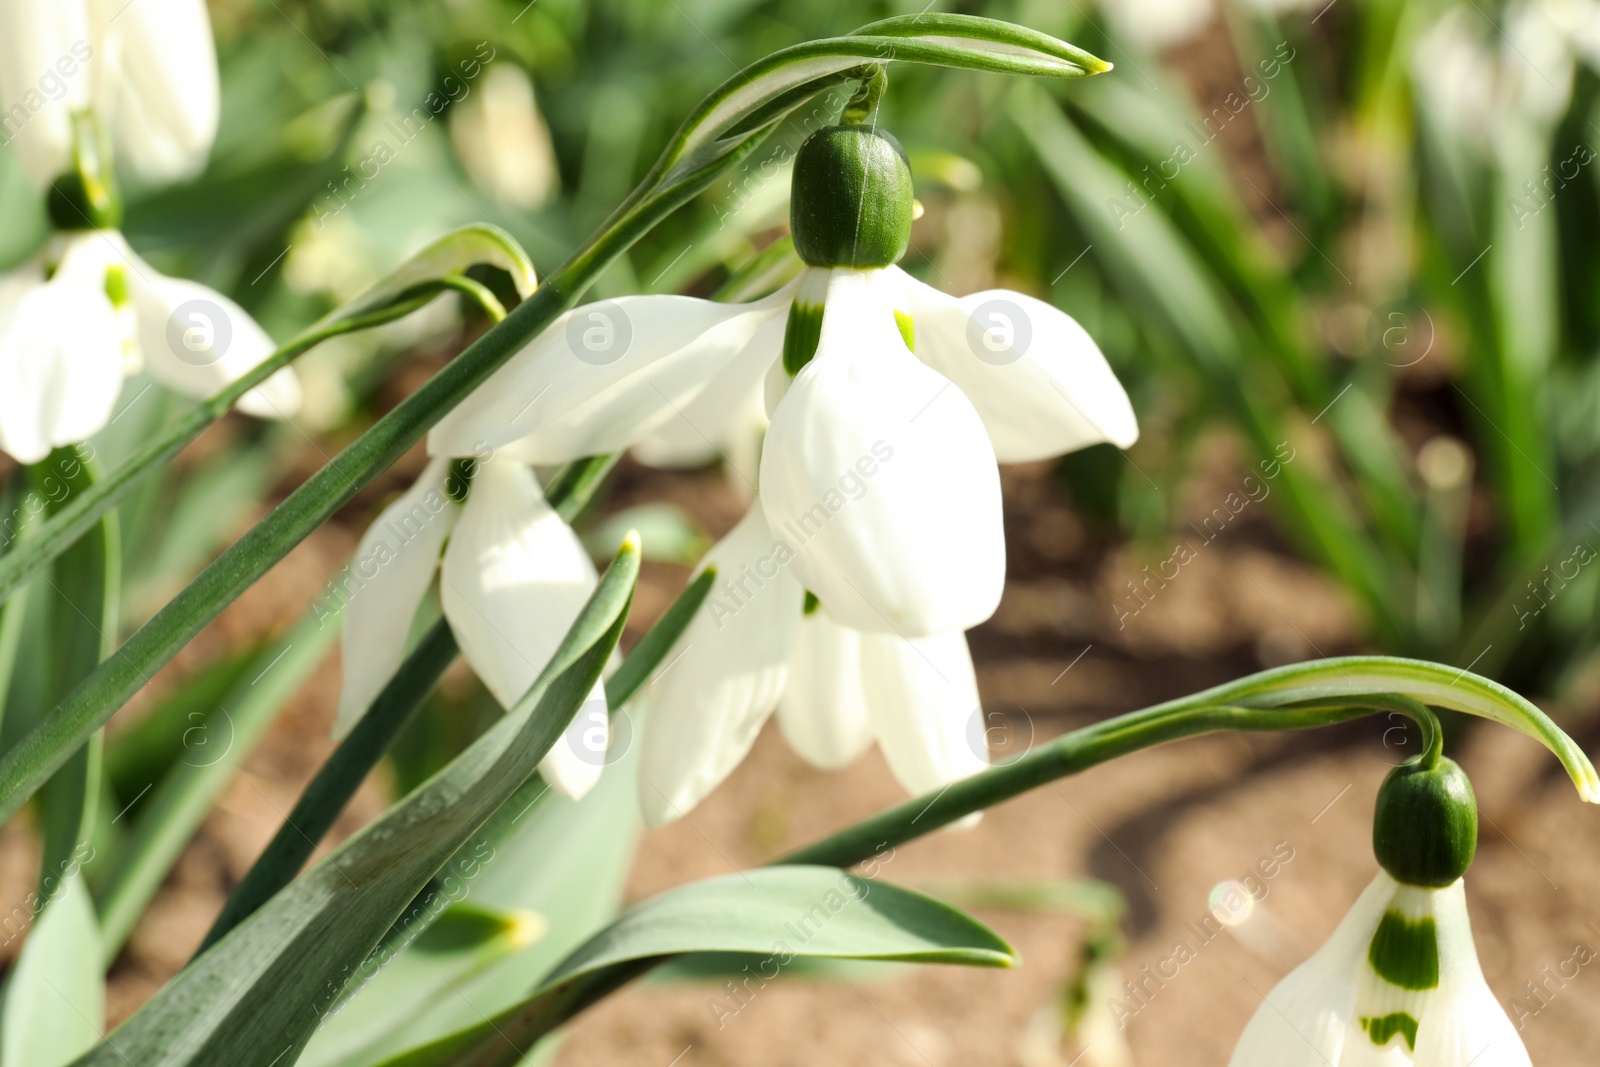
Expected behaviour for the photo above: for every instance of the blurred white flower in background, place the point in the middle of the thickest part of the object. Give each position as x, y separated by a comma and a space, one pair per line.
1153, 25
502, 140
74, 322
88, 310
148, 70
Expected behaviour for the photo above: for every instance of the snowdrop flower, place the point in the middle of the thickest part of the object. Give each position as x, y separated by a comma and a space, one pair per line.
147, 70
889, 401
502, 139
1157, 24
1399, 982
876, 538
73, 324
512, 578
761, 642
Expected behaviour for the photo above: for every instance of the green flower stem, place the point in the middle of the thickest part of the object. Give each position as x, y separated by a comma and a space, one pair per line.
343, 772
1297, 697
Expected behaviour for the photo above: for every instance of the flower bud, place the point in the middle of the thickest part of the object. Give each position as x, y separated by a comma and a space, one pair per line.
851, 201
1425, 829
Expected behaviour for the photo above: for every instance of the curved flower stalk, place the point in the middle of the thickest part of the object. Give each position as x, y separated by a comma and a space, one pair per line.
1399, 981
73, 324
512, 578
877, 536
149, 71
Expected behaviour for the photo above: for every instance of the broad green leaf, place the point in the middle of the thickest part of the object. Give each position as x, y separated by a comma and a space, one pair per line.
255, 997
783, 912
213, 752
55, 999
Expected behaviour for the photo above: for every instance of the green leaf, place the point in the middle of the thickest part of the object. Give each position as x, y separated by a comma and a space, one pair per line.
782, 912
178, 805
337, 781
55, 1001
255, 997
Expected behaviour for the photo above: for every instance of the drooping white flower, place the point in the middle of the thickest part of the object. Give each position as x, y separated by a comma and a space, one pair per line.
148, 70
1397, 984
889, 404
69, 334
759, 644
512, 579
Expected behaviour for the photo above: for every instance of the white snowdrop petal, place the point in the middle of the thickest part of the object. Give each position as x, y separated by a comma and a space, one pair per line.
604, 376
513, 580
1306, 1019
721, 420
167, 98
1464, 1023
711, 696
878, 473
45, 72
1036, 377
572, 766
195, 341
60, 362
391, 572
823, 712
922, 699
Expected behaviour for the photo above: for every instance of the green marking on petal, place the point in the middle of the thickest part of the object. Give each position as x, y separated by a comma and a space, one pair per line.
812, 603
800, 336
458, 482
1405, 952
908, 329
1383, 1028
117, 285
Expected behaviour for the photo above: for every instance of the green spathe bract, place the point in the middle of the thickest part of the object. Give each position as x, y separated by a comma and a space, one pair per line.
850, 204
1425, 829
